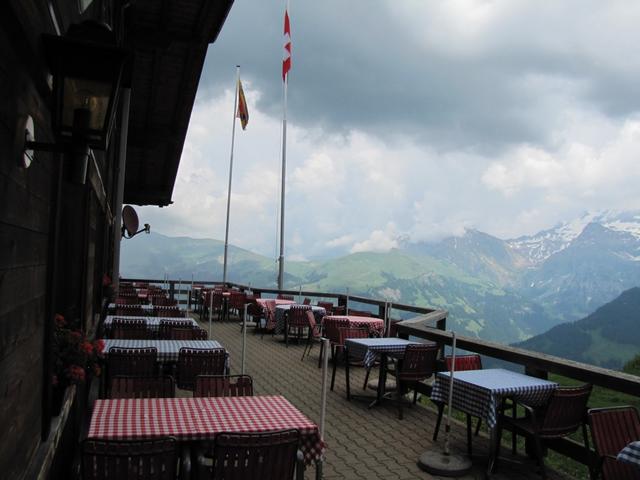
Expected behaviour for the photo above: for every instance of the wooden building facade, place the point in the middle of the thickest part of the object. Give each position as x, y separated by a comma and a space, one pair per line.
58, 238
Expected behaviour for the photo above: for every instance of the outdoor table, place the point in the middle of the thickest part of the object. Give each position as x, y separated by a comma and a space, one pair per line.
630, 454
368, 349
263, 301
480, 393
201, 418
153, 323
374, 325
282, 310
167, 349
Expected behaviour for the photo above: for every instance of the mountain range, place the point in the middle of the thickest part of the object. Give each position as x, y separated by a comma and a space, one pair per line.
501, 290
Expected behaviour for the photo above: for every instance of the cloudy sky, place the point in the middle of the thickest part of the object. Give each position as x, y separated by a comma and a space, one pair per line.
412, 119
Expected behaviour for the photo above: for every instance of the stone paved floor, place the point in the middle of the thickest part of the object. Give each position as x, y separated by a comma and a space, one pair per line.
362, 443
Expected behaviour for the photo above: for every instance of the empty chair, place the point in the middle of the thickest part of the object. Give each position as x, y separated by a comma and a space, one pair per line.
199, 361
269, 316
339, 310
252, 456
130, 310
612, 429
123, 386
127, 301
328, 307
134, 329
306, 301
297, 322
167, 311
463, 362
255, 314
285, 297
563, 415
236, 303
332, 332
139, 362
199, 333
166, 326
128, 460
418, 363
185, 333
360, 313
223, 386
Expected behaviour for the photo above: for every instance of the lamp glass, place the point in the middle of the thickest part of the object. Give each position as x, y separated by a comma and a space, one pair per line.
87, 95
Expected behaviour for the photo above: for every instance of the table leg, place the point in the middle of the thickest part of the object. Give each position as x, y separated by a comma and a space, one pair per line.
493, 450
382, 380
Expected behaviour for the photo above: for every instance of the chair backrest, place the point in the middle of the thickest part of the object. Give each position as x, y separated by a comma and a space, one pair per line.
166, 326
351, 332
419, 362
184, 333
328, 307
332, 328
612, 429
565, 411
270, 314
167, 311
285, 297
199, 361
134, 329
465, 362
117, 459
236, 300
298, 315
360, 313
139, 362
306, 301
124, 386
223, 386
130, 310
200, 333
128, 301
266, 455
339, 310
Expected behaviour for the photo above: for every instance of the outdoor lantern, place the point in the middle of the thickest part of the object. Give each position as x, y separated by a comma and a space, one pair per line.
86, 65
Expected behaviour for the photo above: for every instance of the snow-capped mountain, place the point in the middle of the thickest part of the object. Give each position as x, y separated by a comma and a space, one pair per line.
539, 247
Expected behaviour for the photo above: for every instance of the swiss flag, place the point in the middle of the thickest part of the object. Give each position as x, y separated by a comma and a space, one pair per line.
286, 59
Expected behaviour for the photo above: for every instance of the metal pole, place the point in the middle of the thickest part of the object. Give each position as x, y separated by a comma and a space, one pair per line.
452, 371
210, 310
283, 178
179, 292
233, 136
244, 336
323, 406
346, 308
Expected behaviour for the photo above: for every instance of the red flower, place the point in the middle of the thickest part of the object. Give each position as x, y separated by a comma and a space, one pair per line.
60, 321
86, 347
76, 374
98, 346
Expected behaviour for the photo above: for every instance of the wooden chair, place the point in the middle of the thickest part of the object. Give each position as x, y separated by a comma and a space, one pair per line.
360, 313
297, 322
199, 333
285, 297
167, 311
130, 311
270, 317
418, 363
265, 455
166, 326
123, 386
134, 329
141, 362
223, 386
563, 415
328, 307
463, 362
306, 301
339, 310
612, 429
332, 328
314, 333
128, 460
199, 361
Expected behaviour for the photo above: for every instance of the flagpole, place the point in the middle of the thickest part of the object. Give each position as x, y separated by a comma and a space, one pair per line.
233, 136
283, 176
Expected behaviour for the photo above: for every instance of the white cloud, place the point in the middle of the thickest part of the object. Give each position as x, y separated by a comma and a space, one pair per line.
378, 241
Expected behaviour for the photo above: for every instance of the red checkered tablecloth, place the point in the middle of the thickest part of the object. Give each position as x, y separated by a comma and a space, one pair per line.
201, 418
374, 325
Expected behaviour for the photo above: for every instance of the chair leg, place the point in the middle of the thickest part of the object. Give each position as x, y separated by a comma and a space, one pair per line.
335, 363
366, 379
440, 406
468, 434
539, 453
346, 375
478, 427
399, 396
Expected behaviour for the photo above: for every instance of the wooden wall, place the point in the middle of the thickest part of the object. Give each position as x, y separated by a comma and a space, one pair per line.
41, 272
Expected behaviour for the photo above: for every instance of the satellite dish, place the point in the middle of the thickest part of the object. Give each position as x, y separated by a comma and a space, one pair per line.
130, 220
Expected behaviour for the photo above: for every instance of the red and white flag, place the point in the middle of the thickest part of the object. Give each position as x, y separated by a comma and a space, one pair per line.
286, 59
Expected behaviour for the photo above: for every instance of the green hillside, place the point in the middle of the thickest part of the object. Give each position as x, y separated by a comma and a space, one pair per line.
609, 337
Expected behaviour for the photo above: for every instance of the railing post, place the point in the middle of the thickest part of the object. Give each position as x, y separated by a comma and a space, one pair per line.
172, 288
